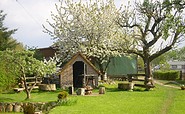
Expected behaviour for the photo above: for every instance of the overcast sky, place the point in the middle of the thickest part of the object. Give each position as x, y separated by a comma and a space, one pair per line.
28, 16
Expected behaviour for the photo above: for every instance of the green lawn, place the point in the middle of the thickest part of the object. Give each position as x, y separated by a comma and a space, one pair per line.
161, 100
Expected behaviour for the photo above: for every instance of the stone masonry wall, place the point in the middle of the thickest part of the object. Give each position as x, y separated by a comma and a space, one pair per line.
19, 107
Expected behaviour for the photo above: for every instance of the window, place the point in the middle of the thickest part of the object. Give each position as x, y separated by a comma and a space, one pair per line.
174, 66
183, 66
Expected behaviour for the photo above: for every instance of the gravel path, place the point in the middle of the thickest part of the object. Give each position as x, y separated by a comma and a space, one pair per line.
157, 82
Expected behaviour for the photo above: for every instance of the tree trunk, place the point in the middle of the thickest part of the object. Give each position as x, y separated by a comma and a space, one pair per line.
26, 89
147, 68
28, 94
103, 68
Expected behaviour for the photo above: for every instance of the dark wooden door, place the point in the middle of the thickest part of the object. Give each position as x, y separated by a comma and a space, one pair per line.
78, 71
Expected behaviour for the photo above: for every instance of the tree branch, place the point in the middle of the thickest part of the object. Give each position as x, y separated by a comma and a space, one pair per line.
132, 26
135, 52
167, 48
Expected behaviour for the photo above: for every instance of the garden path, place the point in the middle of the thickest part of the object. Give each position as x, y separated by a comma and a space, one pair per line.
160, 83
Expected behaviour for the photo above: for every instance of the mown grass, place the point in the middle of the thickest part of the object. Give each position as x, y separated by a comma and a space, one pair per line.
36, 96
161, 100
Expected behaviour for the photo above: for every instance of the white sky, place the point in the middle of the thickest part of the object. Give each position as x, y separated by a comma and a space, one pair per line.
28, 16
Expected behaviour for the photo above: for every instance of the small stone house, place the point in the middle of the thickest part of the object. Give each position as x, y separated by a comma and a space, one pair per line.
79, 72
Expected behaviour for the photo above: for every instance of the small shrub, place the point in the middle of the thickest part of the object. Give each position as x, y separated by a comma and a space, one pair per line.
29, 109
62, 95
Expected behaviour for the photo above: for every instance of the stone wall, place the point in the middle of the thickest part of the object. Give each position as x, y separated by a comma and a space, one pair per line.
21, 107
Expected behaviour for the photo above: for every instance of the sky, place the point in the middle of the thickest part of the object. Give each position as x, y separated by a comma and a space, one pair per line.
28, 16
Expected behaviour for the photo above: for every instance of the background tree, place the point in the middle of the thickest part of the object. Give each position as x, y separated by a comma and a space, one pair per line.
156, 27
6, 41
87, 27
23, 64
178, 54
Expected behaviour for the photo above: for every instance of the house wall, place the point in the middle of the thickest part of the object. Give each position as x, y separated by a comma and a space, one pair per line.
47, 52
66, 77
177, 65
90, 70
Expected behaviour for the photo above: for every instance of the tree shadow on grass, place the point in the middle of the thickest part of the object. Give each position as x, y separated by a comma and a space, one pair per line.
119, 90
113, 90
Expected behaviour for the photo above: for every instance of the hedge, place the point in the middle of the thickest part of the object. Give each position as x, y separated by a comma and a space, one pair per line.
166, 75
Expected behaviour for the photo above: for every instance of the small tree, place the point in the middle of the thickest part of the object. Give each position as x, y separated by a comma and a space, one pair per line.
156, 26
25, 64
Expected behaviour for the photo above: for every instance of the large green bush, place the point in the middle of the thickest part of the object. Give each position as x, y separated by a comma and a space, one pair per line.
167, 75
7, 75
7, 81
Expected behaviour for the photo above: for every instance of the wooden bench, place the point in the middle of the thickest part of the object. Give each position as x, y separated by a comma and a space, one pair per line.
148, 86
18, 89
134, 77
21, 89
118, 77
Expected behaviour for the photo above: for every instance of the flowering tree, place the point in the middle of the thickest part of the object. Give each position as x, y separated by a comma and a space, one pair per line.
157, 26
88, 27
24, 64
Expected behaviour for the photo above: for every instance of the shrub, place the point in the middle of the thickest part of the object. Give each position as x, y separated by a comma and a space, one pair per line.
62, 95
29, 109
7, 79
167, 75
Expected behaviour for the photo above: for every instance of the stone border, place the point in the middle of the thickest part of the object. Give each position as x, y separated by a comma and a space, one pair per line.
19, 107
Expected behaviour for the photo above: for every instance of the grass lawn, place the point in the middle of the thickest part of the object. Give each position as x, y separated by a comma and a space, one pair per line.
161, 100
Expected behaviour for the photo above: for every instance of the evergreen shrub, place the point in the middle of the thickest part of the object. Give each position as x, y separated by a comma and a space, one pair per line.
166, 75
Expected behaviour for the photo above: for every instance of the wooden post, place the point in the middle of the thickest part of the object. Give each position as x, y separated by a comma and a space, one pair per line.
81, 91
131, 86
71, 90
102, 90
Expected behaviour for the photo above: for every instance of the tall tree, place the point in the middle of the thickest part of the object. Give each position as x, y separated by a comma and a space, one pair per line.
6, 41
88, 27
157, 27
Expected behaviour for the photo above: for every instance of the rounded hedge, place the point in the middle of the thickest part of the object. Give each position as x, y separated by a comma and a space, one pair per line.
166, 75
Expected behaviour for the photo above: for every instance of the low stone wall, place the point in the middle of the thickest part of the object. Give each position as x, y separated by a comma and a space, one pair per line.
21, 107
47, 87
126, 86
